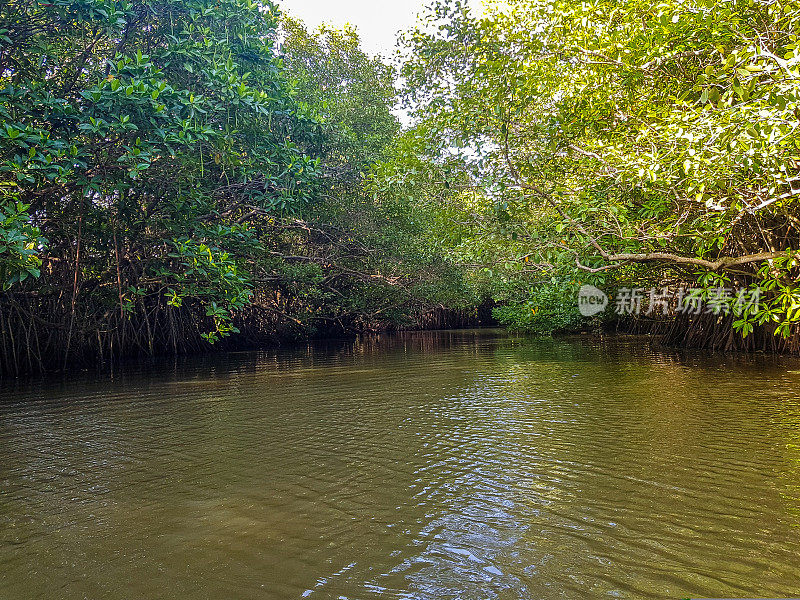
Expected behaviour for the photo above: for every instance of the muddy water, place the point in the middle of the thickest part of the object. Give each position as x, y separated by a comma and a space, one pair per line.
458, 465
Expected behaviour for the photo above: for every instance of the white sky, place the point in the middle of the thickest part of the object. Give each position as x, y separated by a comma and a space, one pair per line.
377, 21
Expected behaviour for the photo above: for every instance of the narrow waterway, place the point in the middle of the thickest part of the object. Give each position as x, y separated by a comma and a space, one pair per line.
442, 465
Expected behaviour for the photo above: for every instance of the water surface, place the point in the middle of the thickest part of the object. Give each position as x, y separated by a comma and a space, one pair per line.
451, 465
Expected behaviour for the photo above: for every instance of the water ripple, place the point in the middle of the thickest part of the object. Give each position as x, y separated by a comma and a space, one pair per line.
430, 466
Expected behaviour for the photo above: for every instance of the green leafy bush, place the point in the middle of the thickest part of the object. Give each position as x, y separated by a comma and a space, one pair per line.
550, 309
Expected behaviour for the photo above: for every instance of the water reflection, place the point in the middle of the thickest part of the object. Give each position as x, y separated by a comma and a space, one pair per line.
431, 465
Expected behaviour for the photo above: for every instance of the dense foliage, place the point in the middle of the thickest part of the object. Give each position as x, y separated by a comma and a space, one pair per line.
136, 137
636, 142
176, 172
370, 263
173, 172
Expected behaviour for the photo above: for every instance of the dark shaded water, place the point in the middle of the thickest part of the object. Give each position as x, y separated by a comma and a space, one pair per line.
468, 465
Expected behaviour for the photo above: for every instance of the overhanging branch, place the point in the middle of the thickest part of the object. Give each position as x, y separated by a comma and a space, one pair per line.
621, 259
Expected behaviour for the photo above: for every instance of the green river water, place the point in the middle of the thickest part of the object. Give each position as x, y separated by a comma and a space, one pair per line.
440, 465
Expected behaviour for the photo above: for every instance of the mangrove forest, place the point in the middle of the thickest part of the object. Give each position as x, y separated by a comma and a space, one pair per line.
181, 175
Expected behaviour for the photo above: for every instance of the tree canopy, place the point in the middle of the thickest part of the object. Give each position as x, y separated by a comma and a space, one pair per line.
172, 172
627, 141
